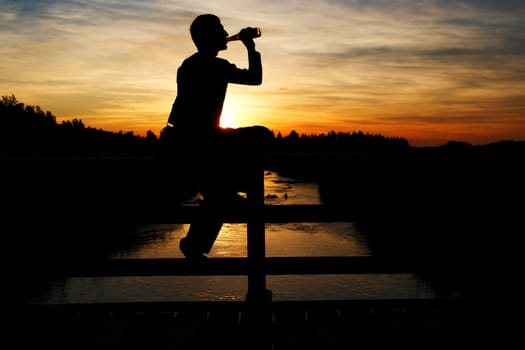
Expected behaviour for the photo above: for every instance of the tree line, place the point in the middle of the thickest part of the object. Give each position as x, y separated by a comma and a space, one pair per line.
28, 130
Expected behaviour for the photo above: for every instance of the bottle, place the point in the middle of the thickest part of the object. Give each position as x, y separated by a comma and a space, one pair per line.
252, 32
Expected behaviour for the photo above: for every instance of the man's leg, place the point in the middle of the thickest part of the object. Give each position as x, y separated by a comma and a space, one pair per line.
245, 148
205, 227
227, 174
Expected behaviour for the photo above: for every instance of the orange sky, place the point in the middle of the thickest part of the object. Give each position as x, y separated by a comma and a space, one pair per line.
428, 71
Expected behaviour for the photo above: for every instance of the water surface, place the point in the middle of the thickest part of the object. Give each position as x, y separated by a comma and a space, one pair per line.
292, 239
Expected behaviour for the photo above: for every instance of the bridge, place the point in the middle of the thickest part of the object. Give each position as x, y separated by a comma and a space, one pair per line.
258, 322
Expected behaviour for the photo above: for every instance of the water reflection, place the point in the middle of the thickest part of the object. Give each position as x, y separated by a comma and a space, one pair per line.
293, 239
233, 288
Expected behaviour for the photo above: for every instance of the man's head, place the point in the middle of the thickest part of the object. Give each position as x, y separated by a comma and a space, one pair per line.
208, 34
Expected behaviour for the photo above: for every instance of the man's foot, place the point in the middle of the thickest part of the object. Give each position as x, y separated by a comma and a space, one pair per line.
189, 251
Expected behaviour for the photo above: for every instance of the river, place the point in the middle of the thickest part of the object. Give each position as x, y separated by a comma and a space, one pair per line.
294, 239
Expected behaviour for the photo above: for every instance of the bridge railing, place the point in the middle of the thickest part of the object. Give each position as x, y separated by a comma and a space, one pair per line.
256, 266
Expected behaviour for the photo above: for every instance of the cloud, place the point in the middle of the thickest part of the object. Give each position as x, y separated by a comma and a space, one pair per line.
374, 62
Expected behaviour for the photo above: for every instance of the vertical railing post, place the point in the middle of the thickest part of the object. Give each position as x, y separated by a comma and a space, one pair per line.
257, 291
258, 312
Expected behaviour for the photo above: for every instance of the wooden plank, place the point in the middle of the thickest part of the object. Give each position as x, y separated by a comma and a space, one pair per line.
322, 324
220, 305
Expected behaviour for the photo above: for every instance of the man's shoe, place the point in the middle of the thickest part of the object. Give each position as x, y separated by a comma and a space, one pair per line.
189, 251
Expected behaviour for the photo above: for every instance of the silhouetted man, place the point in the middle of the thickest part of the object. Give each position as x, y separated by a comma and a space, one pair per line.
218, 158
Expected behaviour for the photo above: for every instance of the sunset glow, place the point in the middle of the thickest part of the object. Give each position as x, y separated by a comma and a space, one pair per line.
428, 71
229, 116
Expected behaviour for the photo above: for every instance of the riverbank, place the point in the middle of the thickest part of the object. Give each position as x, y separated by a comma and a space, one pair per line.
456, 209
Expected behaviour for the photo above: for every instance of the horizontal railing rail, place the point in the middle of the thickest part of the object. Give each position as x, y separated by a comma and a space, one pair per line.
226, 266
222, 305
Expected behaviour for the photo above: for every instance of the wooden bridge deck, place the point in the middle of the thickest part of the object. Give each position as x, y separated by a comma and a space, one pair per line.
289, 325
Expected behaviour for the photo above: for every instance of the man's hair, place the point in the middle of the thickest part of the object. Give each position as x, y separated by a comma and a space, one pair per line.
201, 27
